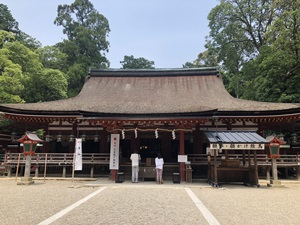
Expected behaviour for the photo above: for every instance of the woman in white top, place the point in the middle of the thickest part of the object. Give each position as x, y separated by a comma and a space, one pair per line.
159, 163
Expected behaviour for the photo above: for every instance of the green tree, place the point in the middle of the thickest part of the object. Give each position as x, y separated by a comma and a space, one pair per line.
277, 68
10, 79
47, 85
7, 22
87, 32
52, 57
237, 32
130, 62
5, 36
208, 58
19, 54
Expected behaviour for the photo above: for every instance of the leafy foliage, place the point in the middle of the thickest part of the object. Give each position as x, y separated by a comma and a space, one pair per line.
130, 62
257, 44
87, 32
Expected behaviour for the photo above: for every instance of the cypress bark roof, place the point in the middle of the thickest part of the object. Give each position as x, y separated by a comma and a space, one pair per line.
148, 92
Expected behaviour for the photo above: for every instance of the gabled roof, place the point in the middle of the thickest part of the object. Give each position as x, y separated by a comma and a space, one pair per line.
29, 136
235, 137
152, 92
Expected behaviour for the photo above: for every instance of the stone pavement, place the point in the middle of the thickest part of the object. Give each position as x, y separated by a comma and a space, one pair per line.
102, 201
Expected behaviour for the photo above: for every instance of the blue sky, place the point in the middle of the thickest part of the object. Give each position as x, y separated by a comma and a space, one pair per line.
170, 33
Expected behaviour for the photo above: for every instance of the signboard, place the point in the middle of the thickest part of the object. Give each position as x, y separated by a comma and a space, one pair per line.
182, 158
78, 154
114, 151
238, 146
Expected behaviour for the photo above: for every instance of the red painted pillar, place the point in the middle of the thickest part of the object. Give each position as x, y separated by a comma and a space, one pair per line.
181, 152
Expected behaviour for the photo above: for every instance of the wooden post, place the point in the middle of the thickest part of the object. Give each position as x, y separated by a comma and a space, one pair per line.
255, 168
181, 152
92, 171
64, 171
298, 167
18, 164
36, 172
215, 167
268, 175
45, 166
298, 172
209, 177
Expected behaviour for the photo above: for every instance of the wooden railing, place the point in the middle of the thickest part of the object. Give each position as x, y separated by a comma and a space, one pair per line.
262, 159
60, 159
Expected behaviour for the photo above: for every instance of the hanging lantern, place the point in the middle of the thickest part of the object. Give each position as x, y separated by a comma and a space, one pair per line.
47, 138
281, 136
58, 138
71, 138
83, 137
294, 137
96, 138
13, 136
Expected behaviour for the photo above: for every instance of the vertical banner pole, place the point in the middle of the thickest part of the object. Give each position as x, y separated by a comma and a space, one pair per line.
73, 167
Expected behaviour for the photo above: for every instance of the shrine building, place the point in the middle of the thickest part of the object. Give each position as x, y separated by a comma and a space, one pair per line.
174, 112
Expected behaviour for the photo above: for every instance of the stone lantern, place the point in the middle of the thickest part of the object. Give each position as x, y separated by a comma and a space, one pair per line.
273, 151
29, 141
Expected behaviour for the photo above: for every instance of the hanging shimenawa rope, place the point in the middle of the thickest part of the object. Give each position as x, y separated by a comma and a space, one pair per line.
173, 131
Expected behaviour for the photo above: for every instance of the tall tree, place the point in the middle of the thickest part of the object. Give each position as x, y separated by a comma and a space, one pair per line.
277, 68
87, 31
130, 62
208, 58
7, 22
47, 85
51, 57
237, 34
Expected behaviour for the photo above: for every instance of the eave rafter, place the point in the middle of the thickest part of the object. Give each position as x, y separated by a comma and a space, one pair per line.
38, 118
262, 119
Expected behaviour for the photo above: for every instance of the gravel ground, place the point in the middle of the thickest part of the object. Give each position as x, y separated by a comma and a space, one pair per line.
146, 203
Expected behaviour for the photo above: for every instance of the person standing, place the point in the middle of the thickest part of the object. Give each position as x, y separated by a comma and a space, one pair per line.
135, 159
159, 163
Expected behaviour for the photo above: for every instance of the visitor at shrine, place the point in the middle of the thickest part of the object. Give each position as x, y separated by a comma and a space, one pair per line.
159, 163
135, 159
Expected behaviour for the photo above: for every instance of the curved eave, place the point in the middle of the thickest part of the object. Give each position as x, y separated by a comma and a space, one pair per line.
153, 72
266, 113
8, 110
215, 113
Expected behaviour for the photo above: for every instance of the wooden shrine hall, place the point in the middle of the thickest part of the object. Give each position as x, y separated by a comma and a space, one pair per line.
165, 111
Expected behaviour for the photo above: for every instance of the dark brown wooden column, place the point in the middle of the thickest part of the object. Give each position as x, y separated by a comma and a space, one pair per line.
74, 132
166, 146
103, 142
198, 139
181, 152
